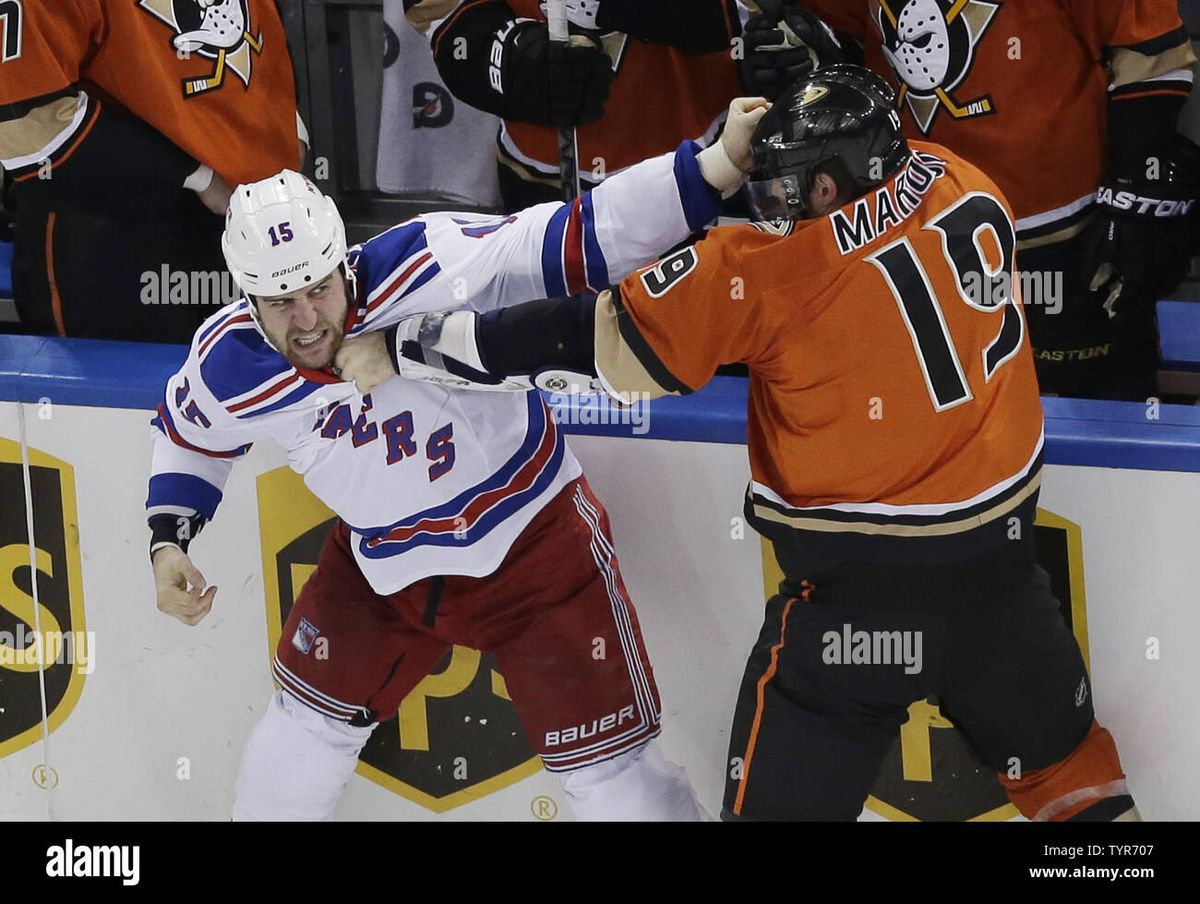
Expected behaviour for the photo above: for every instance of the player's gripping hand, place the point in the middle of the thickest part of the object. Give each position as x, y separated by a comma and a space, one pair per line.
551, 84
181, 587
364, 360
724, 164
744, 114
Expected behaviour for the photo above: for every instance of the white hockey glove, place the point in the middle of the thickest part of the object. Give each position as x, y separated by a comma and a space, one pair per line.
440, 347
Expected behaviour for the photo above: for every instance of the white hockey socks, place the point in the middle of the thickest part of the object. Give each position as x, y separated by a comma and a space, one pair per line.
296, 763
641, 785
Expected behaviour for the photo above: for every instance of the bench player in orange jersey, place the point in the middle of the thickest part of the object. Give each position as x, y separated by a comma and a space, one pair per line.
895, 438
122, 127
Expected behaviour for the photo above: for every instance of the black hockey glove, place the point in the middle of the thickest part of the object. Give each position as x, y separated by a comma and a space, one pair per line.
783, 44
1141, 242
549, 84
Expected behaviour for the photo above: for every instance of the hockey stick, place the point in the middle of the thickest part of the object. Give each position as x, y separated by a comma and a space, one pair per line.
568, 146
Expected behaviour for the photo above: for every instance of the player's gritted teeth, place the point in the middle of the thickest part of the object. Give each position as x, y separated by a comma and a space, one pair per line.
313, 348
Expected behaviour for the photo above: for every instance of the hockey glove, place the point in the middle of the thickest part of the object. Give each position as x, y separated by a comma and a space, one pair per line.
549, 84
444, 349
1141, 242
441, 348
783, 44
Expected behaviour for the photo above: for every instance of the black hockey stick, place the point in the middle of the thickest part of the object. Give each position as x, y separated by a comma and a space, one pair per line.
568, 145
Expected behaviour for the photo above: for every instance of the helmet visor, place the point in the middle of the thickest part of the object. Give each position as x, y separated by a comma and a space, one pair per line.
779, 198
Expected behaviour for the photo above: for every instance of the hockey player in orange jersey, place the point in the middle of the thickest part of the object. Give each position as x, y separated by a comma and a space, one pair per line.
122, 127
1071, 107
895, 436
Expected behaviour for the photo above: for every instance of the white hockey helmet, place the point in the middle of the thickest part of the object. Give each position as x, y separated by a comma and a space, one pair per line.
281, 235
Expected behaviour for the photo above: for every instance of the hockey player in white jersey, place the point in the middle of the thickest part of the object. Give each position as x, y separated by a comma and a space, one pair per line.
462, 516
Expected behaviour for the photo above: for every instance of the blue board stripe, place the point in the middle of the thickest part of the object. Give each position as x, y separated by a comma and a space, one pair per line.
132, 375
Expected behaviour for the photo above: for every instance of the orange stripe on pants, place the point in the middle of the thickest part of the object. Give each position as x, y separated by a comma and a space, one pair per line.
55, 299
758, 709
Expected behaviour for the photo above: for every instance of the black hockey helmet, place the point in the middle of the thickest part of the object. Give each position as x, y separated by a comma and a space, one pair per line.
841, 112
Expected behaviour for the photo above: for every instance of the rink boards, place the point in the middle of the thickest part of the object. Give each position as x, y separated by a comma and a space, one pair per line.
144, 718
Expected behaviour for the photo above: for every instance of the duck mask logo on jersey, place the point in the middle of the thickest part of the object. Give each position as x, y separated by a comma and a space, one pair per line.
931, 46
218, 30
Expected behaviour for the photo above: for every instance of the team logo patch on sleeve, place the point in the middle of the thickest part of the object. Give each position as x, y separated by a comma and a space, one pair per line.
931, 46
305, 636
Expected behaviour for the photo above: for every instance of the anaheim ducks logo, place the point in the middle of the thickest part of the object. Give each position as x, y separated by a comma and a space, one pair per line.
218, 30
812, 94
931, 46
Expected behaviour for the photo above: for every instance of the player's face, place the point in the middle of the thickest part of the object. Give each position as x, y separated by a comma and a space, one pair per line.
306, 326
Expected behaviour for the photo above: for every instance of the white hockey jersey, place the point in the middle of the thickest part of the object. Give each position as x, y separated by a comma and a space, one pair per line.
429, 481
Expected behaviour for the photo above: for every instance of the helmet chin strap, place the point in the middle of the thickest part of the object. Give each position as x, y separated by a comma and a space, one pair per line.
258, 322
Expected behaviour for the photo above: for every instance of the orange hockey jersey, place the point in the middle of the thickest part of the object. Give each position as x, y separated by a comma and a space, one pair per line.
1021, 87
214, 78
892, 389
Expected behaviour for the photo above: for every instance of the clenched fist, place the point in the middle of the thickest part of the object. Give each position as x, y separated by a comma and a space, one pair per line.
364, 360
724, 163
744, 114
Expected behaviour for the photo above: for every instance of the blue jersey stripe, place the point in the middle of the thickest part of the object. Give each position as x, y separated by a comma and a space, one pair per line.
233, 311
241, 360
536, 414
701, 202
433, 270
593, 255
185, 490
497, 515
302, 391
552, 251
380, 256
